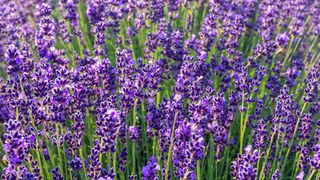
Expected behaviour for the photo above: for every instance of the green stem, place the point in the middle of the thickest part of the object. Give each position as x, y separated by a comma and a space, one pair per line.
115, 164
258, 163
82, 161
318, 175
312, 173
245, 121
210, 162
29, 164
291, 142
267, 155
280, 152
288, 52
134, 116
216, 169
296, 160
198, 170
228, 152
70, 173
58, 149
171, 146
241, 124
154, 145
277, 151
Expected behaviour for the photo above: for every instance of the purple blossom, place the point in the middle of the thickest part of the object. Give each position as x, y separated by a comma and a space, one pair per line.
150, 170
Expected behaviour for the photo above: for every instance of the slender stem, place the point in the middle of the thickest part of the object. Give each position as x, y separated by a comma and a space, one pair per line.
64, 157
198, 170
280, 152
245, 121
295, 168
58, 148
241, 124
291, 142
267, 155
171, 146
154, 145
228, 152
288, 51
134, 116
70, 173
318, 175
30, 164
216, 169
277, 151
312, 173
296, 160
210, 164
115, 164
259, 154
109, 158
82, 161
158, 99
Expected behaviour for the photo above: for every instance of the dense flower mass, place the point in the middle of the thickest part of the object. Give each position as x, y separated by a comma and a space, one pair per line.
160, 89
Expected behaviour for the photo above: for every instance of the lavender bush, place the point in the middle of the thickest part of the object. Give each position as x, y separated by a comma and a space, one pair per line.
159, 89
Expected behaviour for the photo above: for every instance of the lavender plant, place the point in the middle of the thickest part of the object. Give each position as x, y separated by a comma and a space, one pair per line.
150, 89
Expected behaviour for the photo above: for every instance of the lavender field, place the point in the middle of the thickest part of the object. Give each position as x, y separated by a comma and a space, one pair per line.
159, 89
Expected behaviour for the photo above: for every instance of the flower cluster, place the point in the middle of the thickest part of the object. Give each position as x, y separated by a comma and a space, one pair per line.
244, 165
134, 89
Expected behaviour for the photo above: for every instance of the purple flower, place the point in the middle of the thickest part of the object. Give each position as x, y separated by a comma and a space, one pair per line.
283, 39
76, 164
260, 135
56, 175
123, 159
315, 159
312, 80
244, 165
188, 148
133, 133
108, 124
94, 169
300, 176
45, 36
276, 175
150, 170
